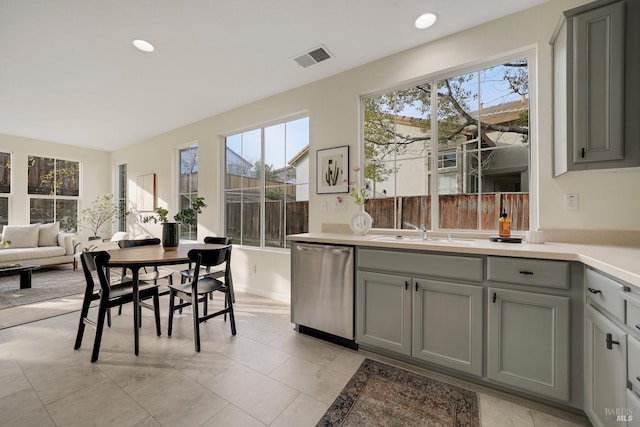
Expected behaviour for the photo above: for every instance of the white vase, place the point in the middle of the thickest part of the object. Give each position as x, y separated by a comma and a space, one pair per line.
361, 222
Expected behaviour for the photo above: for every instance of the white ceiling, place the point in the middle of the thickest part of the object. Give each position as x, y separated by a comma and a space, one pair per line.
69, 74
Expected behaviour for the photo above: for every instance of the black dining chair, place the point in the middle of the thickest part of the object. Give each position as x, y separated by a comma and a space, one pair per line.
148, 276
187, 274
110, 295
191, 292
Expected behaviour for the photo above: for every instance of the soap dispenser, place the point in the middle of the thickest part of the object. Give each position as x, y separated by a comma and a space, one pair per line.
504, 225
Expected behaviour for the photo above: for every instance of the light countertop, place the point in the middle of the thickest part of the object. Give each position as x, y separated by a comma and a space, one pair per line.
620, 262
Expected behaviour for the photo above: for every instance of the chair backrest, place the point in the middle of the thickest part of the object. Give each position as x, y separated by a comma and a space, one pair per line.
211, 258
96, 262
218, 240
129, 243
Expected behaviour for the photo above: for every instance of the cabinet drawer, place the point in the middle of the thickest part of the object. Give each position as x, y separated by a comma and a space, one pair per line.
422, 264
633, 408
633, 359
605, 293
633, 317
536, 272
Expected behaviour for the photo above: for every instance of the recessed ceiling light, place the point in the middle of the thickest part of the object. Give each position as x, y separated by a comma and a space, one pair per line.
143, 45
426, 20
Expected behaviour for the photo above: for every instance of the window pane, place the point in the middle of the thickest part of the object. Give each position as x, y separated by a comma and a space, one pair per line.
67, 214
41, 210
4, 211
250, 217
274, 215
189, 170
5, 173
41, 175
67, 178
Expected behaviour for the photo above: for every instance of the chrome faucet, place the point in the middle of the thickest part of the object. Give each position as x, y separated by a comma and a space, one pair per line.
422, 230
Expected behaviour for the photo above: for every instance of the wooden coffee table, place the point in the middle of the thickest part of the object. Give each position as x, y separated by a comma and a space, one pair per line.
23, 270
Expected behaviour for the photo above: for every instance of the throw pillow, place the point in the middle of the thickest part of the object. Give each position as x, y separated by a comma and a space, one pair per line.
21, 236
48, 235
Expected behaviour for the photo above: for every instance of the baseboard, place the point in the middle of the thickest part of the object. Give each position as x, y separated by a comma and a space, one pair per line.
262, 293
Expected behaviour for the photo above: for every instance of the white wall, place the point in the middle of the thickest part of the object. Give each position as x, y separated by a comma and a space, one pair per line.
94, 164
333, 107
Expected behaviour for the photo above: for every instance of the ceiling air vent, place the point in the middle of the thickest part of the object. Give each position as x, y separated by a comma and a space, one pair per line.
312, 57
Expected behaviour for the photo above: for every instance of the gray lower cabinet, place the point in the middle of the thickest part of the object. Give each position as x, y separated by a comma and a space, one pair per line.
606, 376
383, 311
447, 324
528, 341
435, 321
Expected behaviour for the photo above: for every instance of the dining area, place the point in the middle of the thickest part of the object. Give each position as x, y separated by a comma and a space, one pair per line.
138, 272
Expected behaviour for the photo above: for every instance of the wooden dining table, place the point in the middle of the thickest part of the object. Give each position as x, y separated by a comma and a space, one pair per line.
138, 257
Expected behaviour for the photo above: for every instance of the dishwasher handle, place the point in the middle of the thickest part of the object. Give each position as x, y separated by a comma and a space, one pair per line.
323, 249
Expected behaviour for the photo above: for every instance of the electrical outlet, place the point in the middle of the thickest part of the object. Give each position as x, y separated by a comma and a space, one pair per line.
323, 206
254, 269
571, 202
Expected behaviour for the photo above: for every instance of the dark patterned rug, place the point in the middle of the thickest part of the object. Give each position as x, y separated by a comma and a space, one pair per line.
383, 395
46, 283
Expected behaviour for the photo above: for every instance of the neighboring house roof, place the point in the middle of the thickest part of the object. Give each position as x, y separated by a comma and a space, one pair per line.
300, 156
503, 113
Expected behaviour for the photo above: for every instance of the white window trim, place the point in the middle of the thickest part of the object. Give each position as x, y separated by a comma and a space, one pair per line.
530, 54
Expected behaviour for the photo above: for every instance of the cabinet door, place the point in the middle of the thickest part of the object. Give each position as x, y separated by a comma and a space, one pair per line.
447, 324
528, 341
383, 311
606, 363
598, 73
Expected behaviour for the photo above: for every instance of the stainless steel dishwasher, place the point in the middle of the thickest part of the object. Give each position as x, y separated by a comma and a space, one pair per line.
322, 289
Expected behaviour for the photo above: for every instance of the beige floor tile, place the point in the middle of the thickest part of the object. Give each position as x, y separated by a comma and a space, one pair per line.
304, 411
260, 396
103, 403
55, 380
176, 400
308, 348
253, 354
231, 416
12, 379
495, 412
132, 372
321, 383
541, 419
24, 409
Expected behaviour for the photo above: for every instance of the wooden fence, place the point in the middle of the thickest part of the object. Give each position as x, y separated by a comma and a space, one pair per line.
456, 212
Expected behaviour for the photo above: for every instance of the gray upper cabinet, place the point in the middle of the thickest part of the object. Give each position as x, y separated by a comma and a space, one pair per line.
593, 123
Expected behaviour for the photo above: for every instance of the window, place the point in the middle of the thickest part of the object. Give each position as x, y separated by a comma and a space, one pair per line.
122, 197
53, 186
267, 184
5, 187
188, 188
473, 128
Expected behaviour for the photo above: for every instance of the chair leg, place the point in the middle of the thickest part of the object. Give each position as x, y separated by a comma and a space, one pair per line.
171, 309
84, 312
102, 311
232, 318
156, 311
109, 317
196, 322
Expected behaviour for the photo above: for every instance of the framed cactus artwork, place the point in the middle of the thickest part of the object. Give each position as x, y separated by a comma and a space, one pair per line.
333, 170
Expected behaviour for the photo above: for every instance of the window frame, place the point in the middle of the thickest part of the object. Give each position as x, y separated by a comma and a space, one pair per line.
530, 53
263, 187
179, 193
55, 197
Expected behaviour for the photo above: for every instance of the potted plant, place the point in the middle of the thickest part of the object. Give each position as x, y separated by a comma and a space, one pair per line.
102, 210
171, 230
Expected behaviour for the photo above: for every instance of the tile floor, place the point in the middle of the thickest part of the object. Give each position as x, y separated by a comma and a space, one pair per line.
267, 375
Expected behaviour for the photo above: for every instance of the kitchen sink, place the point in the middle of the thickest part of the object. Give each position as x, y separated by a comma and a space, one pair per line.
431, 240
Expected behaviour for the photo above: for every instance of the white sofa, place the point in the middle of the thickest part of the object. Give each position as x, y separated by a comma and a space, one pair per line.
38, 244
